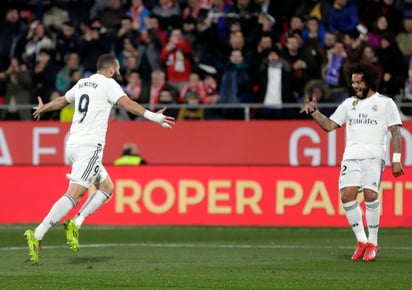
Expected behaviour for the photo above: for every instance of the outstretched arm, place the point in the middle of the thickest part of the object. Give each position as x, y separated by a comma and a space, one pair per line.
165, 121
324, 122
54, 105
397, 169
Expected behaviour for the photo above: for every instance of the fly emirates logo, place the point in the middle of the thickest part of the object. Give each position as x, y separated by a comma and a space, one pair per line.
363, 119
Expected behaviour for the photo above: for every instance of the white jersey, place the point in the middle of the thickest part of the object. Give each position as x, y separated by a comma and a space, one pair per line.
367, 122
93, 99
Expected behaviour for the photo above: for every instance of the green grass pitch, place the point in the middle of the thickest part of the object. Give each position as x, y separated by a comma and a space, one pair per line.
166, 257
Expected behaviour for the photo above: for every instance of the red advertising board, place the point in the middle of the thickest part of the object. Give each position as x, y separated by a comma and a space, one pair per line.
295, 143
203, 195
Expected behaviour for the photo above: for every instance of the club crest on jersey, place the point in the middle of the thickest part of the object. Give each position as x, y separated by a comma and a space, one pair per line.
374, 108
354, 104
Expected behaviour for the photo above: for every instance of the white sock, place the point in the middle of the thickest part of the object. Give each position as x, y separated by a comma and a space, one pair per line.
95, 200
372, 215
56, 213
354, 216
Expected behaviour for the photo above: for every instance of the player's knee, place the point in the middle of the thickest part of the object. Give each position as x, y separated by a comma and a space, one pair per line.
107, 186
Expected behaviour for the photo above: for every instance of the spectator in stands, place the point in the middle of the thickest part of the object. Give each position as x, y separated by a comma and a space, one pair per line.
319, 90
149, 47
129, 48
329, 41
366, 53
54, 17
210, 47
300, 62
168, 14
63, 77
213, 98
370, 11
12, 38
219, 21
404, 40
79, 11
38, 38
405, 6
126, 31
153, 23
17, 82
43, 75
196, 84
272, 11
67, 41
93, 44
209, 81
334, 73
376, 31
138, 14
237, 42
167, 97
391, 59
274, 87
176, 56
111, 16
236, 85
191, 98
343, 16
130, 156
296, 23
267, 27
136, 89
351, 41
158, 83
264, 45
312, 50
192, 10
189, 32
129, 65
315, 8
247, 12
314, 29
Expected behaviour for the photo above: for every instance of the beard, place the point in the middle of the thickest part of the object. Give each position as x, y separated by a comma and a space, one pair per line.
364, 93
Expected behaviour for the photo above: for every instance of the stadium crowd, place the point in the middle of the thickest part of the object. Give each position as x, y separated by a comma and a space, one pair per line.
194, 52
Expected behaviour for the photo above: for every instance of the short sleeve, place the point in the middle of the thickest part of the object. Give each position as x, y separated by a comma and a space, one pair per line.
340, 114
392, 114
69, 95
115, 91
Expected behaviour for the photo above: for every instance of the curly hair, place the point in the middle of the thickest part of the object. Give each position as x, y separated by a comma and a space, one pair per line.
368, 72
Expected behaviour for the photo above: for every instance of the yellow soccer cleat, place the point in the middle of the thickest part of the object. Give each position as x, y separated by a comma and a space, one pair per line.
34, 246
72, 235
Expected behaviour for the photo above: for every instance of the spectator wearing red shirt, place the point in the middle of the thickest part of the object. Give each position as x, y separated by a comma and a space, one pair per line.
158, 83
176, 56
195, 84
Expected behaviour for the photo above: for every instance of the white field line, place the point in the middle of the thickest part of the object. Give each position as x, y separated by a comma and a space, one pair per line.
200, 245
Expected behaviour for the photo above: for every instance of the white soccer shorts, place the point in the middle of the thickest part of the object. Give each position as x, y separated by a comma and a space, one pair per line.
87, 167
364, 173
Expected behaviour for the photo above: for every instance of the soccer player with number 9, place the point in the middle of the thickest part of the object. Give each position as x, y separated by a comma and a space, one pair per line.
93, 99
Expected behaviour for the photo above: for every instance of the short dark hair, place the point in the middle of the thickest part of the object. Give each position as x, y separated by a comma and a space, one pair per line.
368, 71
105, 61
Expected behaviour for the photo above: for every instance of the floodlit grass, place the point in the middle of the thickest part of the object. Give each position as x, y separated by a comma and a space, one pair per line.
205, 258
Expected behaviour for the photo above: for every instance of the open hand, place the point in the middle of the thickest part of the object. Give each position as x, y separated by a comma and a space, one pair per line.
168, 121
38, 109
